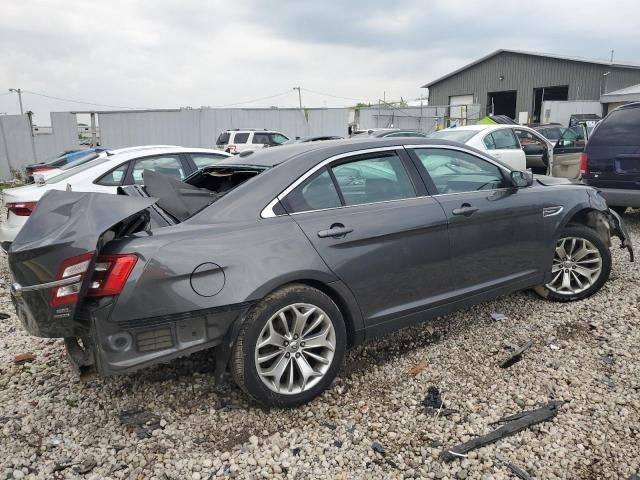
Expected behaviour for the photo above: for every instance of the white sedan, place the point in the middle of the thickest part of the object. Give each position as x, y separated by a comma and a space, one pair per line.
104, 174
503, 143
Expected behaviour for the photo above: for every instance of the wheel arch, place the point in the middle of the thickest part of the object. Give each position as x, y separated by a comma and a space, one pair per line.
589, 217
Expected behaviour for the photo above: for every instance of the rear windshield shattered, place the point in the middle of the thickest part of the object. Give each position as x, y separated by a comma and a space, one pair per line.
182, 200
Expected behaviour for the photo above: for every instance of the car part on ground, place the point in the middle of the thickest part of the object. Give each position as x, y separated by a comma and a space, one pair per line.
301, 228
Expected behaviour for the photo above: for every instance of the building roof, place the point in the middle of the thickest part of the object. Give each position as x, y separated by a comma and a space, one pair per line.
534, 54
627, 94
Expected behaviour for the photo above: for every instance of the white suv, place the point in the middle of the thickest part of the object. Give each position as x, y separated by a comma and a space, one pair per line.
236, 141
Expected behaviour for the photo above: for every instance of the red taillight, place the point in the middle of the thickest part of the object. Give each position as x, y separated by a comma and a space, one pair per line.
21, 209
71, 268
584, 167
110, 274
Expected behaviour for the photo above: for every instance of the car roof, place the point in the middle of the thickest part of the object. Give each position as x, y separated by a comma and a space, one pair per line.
270, 157
480, 127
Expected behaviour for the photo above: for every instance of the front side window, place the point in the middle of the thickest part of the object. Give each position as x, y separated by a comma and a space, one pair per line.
453, 171
375, 178
572, 137
165, 164
240, 138
504, 139
266, 138
115, 177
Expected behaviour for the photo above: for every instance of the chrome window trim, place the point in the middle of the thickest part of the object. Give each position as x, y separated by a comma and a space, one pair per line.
267, 211
362, 204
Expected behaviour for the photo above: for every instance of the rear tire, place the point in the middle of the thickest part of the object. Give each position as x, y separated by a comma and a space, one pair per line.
581, 265
290, 347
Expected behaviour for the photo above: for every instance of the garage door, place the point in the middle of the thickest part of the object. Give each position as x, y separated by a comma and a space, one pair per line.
458, 107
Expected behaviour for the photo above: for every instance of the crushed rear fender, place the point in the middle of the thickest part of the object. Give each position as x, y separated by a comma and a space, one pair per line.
65, 225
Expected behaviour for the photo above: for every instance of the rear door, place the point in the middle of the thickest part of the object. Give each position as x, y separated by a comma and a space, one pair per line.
613, 153
504, 145
535, 149
494, 228
370, 219
568, 152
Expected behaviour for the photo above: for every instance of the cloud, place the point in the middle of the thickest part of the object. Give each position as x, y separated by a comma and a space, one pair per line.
168, 53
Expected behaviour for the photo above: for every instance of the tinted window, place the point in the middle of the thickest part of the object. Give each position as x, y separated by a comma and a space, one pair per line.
316, 193
223, 139
454, 172
454, 135
114, 177
268, 138
240, 138
165, 164
504, 139
205, 159
619, 128
373, 179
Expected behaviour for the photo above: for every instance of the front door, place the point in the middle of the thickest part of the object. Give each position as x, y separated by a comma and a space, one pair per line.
495, 230
369, 218
567, 153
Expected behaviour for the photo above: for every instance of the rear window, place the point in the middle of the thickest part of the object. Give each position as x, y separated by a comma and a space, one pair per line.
619, 128
454, 135
223, 138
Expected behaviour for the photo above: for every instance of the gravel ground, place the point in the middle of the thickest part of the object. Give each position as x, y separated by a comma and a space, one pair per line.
171, 422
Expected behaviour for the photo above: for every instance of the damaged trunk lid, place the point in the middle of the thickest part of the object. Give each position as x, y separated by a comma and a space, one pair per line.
54, 255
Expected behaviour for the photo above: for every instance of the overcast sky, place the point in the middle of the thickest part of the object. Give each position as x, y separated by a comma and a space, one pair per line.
169, 53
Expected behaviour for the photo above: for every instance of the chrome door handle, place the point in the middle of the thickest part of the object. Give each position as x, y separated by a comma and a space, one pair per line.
337, 230
465, 209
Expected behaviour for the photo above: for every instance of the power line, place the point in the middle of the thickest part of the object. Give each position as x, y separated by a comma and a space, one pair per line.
78, 101
254, 100
334, 96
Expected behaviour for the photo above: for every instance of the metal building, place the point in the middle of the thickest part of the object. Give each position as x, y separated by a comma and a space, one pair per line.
509, 82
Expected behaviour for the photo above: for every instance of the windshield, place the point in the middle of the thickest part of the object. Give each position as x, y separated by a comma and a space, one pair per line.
454, 135
68, 172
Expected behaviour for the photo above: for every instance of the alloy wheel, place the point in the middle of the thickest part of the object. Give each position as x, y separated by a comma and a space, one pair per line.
295, 348
577, 264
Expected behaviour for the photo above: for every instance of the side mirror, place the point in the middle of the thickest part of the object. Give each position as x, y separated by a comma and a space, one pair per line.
521, 179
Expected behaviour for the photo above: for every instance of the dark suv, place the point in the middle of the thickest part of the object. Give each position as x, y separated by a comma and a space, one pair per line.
611, 160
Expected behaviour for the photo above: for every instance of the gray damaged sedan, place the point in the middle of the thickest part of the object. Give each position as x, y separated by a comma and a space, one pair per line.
283, 259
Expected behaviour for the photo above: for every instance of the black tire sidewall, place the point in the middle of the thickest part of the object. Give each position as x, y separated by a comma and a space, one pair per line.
587, 233
257, 319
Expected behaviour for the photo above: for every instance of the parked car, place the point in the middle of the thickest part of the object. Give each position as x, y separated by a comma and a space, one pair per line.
318, 138
611, 159
397, 132
499, 140
103, 174
550, 131
54, 162
282, 259
240, 140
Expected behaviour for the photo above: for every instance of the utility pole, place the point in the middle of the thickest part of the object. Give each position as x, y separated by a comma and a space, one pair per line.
19, 92
299, 96
611, 61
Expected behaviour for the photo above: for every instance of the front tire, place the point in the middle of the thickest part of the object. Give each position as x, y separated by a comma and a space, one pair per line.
290, 347
581, 265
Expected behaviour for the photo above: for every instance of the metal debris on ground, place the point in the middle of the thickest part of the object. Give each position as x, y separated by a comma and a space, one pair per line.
498, 317
515, 423
516, 356
433, 401
140, 421
4, 316
24, 357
